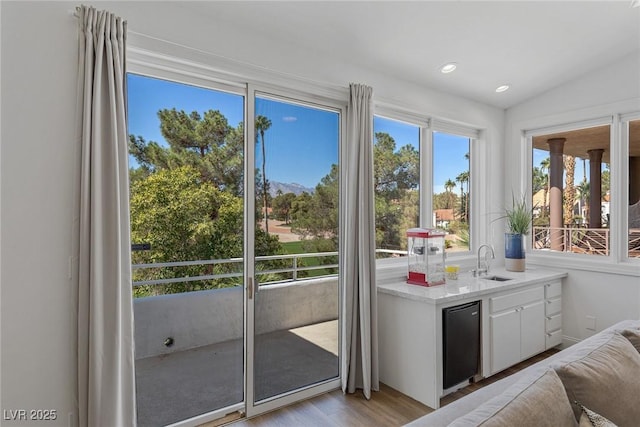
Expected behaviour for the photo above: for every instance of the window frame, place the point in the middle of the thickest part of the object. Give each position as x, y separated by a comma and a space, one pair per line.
618, 260
625, 149
427, 126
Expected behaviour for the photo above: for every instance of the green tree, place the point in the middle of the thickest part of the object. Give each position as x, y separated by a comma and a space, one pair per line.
262, 125
316, 216
545, 166
184, 218
463, 178
206, 143
281, 205
448, 187
569, 195
396, 177
583, 191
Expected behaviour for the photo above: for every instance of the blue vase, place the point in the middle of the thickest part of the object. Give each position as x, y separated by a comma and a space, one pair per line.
514, 253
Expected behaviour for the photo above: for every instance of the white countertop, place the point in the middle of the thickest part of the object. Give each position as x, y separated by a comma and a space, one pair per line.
467, 286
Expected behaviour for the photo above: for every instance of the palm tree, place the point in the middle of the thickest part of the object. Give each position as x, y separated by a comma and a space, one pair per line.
463, 178
583, 189
448, 186
545, 164
569, 188
262, 125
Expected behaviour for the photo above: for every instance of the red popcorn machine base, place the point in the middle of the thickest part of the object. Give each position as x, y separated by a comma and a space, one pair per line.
420, 280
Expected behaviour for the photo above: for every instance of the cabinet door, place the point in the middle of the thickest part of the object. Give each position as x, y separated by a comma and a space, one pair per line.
505, 339
532, 324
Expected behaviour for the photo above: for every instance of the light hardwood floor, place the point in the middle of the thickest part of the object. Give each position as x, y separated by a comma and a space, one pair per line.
387, 408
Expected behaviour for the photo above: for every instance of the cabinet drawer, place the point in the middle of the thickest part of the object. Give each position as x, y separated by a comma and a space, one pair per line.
516, 299
553, 322
553, 339
553, 306
552, 290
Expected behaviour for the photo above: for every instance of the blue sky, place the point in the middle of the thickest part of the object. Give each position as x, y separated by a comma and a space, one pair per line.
302, 142
539, 155
448, 150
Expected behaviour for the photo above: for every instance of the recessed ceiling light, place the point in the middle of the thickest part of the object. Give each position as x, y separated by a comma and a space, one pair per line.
635, 3
502, 88
448, 68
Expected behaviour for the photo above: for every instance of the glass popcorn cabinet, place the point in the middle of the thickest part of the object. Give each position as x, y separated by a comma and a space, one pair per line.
425, 251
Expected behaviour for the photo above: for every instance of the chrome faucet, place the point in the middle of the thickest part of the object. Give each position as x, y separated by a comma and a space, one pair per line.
479, 270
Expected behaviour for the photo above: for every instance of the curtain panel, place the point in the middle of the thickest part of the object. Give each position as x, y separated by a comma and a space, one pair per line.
357, 254
106, 364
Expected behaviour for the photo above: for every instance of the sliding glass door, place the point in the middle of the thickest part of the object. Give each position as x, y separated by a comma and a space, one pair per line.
295, 305
187, 228
235, 265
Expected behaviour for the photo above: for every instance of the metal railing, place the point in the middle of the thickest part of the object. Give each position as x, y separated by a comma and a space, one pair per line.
576, 239
294, 269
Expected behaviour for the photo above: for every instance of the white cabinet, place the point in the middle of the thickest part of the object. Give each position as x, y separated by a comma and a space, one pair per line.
553, 314
515, 316
517, 327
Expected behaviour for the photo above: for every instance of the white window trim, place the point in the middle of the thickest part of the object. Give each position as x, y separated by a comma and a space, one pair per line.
618, 261
391, 269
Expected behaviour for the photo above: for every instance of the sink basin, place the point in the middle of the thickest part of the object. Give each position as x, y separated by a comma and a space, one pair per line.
496, 278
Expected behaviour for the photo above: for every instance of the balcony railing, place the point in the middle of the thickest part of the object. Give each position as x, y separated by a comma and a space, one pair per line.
294, 269
593, 241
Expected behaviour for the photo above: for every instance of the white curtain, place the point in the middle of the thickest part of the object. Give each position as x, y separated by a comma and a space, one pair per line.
357, 254
106, 370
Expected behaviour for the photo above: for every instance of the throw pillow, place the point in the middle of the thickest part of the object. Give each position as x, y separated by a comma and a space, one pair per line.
633, 335
592, 419
606, 381
531, 402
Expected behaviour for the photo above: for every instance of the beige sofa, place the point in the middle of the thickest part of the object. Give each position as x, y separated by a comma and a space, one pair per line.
597, 377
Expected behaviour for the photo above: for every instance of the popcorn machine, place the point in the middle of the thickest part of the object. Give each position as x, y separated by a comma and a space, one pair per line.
425, 251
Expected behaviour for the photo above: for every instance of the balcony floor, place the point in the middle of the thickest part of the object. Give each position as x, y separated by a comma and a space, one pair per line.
185, 384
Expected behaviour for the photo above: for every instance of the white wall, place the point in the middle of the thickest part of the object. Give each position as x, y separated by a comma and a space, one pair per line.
595, 286
38, 164
39, 49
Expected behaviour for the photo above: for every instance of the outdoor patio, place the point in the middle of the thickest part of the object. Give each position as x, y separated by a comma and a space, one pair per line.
180, 385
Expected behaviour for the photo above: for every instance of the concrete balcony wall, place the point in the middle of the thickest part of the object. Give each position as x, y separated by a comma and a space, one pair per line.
201, 318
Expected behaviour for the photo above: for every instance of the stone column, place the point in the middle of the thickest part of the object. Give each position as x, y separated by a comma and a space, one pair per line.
595, 188
556, 168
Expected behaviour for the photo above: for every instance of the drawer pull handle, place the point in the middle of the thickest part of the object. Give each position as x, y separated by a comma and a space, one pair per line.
549, 335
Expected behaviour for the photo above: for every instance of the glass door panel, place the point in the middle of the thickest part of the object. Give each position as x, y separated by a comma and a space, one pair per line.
187, 228
296, 241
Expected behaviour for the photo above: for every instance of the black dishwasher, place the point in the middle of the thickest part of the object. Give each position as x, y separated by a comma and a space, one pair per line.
460, 343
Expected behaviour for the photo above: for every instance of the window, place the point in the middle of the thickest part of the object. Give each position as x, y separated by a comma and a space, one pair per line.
407, 155
186, 173
451, 188
571, 191
396, 159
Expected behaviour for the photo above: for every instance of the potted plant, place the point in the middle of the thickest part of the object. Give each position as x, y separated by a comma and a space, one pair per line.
519, 218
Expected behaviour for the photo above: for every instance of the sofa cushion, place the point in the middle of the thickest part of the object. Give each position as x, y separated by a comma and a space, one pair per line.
633, 335
606, 381
590, 418
538, 402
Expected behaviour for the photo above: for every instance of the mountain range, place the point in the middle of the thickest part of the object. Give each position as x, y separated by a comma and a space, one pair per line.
293, 187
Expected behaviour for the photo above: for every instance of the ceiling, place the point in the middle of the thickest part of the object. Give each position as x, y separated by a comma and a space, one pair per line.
579, 142
533, 46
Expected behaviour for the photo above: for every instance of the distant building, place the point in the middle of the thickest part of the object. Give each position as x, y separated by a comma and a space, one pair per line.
443, 217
